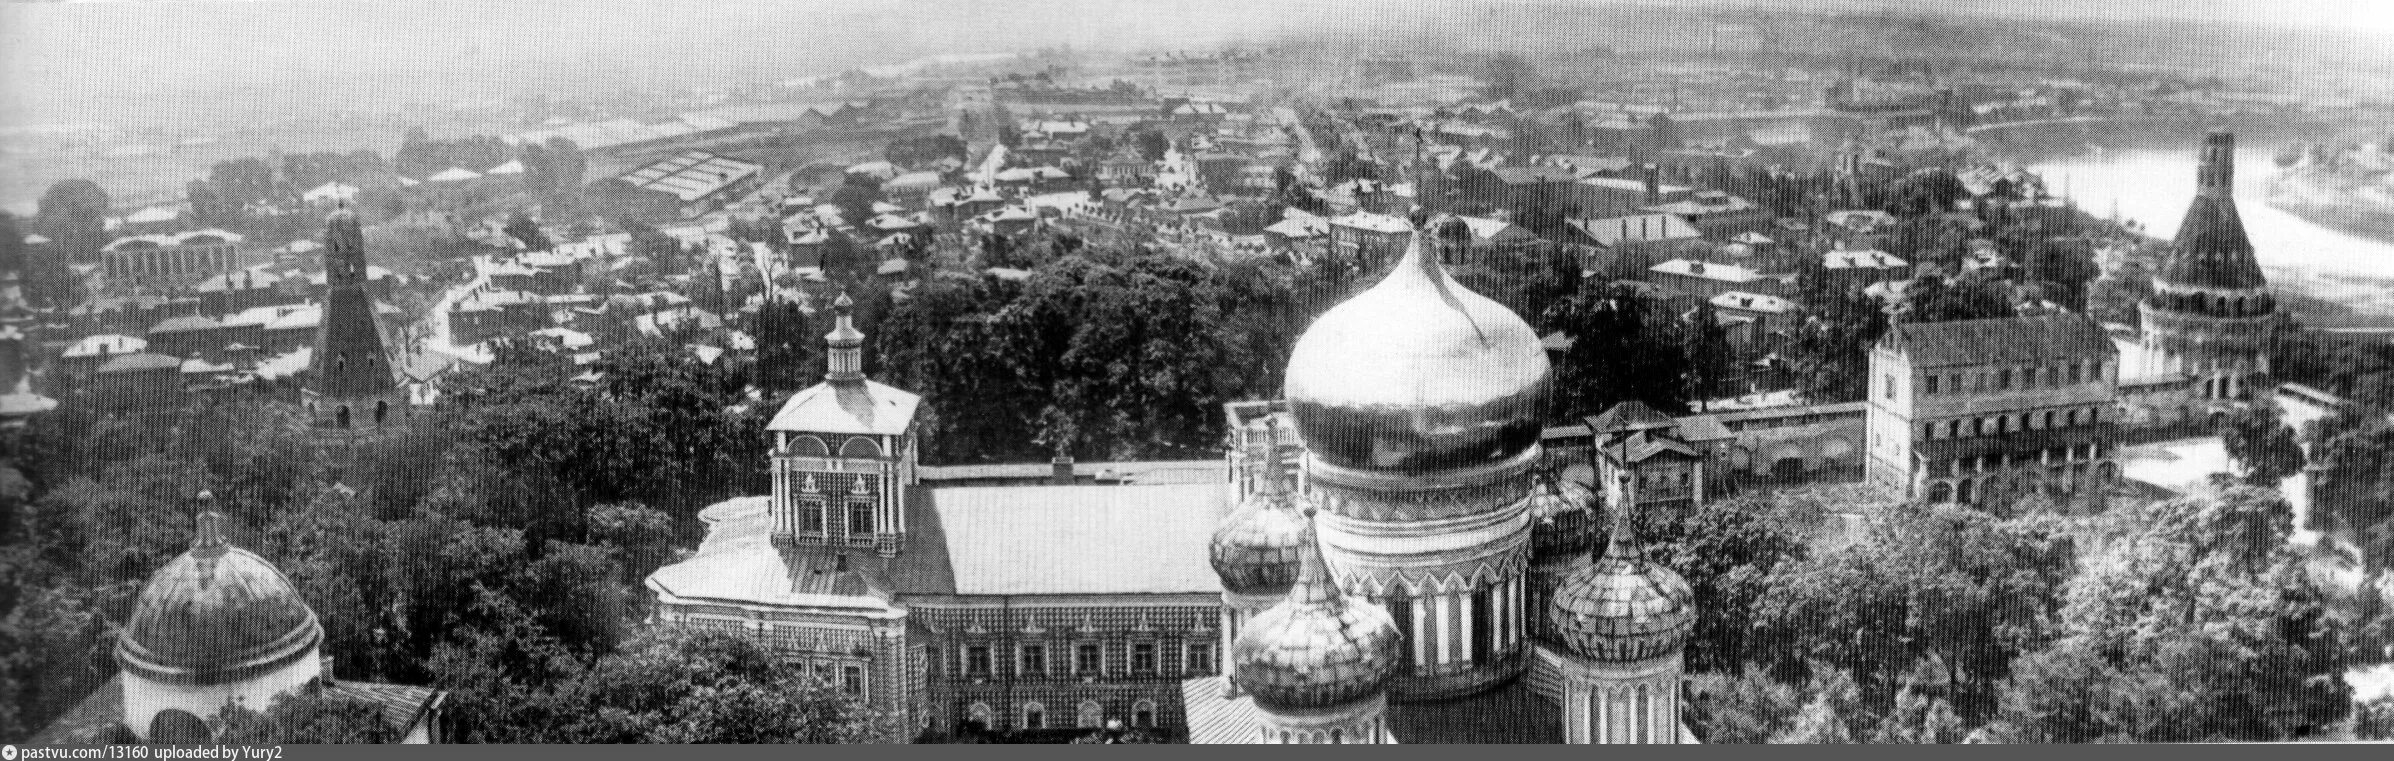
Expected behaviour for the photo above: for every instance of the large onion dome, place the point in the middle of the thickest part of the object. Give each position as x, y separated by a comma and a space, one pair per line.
1418, 373
1316, 648
1625, 607
1563, 516
1256, 549
216, 614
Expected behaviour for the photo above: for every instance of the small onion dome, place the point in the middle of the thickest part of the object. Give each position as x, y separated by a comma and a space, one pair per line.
1563, 514
216, 614
1256, 549
1625, 607
1316, 648
1418, 373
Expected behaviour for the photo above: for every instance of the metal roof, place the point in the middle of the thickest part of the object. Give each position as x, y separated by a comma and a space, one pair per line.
868, 408
690, 175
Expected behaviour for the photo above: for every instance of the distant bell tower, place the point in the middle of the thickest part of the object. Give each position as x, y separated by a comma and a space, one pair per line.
352, 383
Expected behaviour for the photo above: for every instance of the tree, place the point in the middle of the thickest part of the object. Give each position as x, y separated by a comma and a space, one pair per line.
640, 537
1744, 709
2264, 448
1152, 145
1935, 299
1507, 75
1950, 584
1728, 550
2354, 495
1830, 356
1622, 349
1710, 361
73, 214
2196, 621
523, 229
243, 181
310, 715
666, 685
567, 166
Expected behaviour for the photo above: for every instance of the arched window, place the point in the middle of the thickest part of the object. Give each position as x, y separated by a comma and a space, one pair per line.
1034, 716
980, 714
341, 416
1962, 492
2049, 416
809, 446
859, 446
1940, 493
1338, 737
381, 410
1091, 714
1143, 714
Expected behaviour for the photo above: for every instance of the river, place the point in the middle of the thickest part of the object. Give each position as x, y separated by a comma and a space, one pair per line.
2153, 187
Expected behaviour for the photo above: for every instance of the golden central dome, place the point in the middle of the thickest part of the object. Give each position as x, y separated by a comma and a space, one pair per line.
1418, 373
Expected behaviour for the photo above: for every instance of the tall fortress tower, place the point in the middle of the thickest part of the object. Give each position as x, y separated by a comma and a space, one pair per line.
2211, 316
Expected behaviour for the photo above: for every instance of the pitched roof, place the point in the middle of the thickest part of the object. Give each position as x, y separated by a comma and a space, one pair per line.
2001, 339
1638, 228
139, 362
1127, 539
1631, 415
1861, 259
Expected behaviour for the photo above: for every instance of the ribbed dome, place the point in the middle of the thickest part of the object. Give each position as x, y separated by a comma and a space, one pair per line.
1563, 516
1316, 648
1418, 373
1256, 550
1625, 607
216, 614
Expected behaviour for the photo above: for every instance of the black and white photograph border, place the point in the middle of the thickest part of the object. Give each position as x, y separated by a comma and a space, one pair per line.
595, 372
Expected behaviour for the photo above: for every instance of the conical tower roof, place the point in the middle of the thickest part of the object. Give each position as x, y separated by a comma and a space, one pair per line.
2211, 250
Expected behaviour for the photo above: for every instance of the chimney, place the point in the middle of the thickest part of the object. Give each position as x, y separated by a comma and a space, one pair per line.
2216, 175
1061, 475
324, 674
1653, 184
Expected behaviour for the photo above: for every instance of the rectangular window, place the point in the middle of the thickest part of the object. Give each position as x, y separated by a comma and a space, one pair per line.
1201, 658
860, 518
1088, 660
2003, 379
1034, 659
810, 515
1929, 386
1143, 659
852, 679
976, 660
1891, 387
2075, 372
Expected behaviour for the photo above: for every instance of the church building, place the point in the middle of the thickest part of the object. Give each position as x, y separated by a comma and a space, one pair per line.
219, 626
1403, 563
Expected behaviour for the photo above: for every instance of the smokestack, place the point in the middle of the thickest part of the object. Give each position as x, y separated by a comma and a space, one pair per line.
2216, 175
1653, 184
1062, 473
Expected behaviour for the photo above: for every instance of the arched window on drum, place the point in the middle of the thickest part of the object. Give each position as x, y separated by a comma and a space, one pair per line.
859, 446
808, 446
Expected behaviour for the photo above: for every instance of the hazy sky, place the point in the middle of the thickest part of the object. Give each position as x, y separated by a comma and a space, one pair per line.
138, 59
